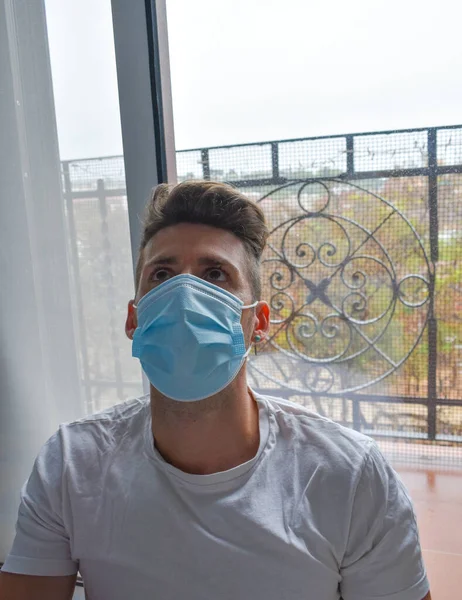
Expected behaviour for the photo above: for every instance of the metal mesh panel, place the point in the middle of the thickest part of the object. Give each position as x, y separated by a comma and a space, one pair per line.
189, 165
449, 423
312, 158
84, 174
240, 163
450, 146
391, 151
448, 293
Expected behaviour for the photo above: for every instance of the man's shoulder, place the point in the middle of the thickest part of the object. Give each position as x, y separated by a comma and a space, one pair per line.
118, 413
317, 435
324, 464
100, 431
79, 453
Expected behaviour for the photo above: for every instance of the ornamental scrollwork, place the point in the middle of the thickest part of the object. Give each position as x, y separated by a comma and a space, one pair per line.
345, 273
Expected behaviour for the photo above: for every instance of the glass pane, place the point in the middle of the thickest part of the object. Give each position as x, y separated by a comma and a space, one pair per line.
87, 113
248, 73
362, 246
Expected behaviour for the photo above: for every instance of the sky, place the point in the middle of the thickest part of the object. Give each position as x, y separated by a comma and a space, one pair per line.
257, 70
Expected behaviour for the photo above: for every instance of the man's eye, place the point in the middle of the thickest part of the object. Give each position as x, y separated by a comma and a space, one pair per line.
160, 275
216, 275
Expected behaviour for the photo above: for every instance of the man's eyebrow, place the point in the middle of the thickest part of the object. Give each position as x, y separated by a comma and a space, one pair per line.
212, 260
161, 260
215, 261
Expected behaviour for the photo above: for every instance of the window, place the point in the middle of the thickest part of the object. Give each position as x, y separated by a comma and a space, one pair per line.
83, 66
321, 112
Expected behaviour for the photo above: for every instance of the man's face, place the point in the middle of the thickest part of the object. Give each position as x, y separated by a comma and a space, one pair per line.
212, 254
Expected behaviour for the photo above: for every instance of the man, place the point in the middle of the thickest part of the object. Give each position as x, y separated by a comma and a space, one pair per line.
206, 490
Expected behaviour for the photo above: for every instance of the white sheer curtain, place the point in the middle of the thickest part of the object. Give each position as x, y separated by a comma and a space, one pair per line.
62, 347
39, 376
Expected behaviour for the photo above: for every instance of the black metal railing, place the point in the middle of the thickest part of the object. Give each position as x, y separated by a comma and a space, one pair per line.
343, 161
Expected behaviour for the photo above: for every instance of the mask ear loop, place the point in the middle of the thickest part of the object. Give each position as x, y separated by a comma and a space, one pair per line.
250, 305
255, 339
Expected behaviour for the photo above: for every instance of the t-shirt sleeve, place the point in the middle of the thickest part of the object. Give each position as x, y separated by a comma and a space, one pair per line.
42, 543
383, 558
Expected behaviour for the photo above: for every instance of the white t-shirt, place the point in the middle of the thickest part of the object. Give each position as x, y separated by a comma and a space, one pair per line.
316, 514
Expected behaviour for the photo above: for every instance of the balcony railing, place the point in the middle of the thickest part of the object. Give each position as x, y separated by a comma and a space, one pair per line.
363, 271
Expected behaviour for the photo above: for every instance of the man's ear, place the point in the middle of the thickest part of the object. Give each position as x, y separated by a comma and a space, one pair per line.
262, 318
132, 322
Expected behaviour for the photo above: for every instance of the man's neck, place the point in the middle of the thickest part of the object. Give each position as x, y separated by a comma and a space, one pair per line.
208, 436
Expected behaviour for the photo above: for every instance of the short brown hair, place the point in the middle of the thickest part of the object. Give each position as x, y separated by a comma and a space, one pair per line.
208, 203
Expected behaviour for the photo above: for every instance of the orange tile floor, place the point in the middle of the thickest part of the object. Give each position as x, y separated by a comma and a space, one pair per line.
437, 497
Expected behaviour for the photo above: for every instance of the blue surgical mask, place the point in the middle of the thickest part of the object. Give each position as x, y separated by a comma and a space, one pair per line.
189, 338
